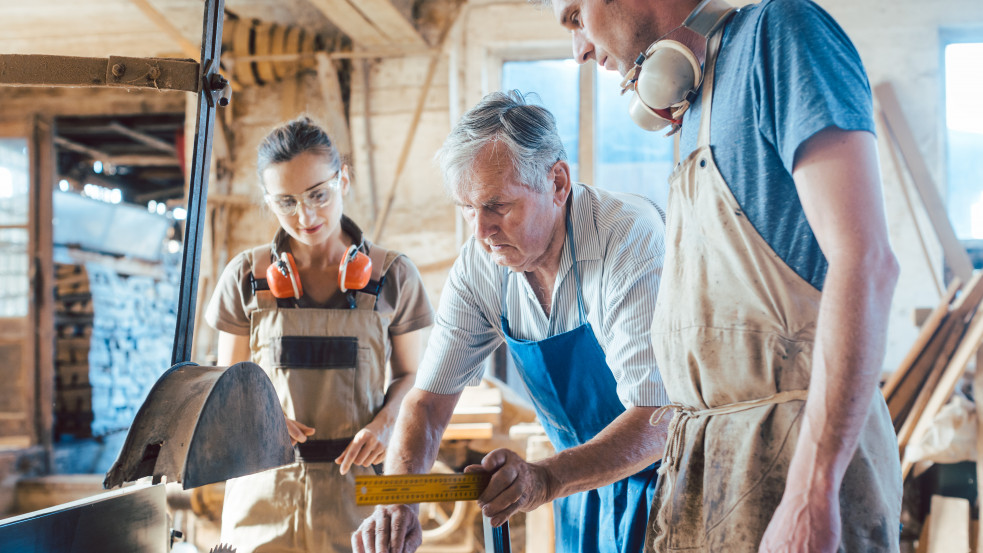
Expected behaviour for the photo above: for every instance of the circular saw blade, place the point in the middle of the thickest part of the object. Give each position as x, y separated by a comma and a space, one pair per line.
222, 548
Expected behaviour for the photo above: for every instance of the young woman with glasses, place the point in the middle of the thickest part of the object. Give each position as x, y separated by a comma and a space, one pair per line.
323, 341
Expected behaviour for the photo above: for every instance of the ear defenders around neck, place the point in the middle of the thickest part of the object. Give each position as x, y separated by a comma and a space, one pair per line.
355, 269
667, 75
283, 278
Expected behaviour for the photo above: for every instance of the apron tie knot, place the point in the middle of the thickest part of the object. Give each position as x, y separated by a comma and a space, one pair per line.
684, 413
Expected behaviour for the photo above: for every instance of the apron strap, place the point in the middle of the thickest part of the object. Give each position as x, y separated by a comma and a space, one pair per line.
573, 263
260, 259
674, 440
576, 274
713, 47
382, 259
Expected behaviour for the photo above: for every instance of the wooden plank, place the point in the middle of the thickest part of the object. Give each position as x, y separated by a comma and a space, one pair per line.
949, 531
469, 431
933, 361
900, 131
43, 165
385, 17
926, 333
350, 21
903, 185
921, 388
953, 372
337, 122
44, 70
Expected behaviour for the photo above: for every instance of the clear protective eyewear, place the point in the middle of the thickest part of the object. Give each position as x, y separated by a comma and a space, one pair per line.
315, 198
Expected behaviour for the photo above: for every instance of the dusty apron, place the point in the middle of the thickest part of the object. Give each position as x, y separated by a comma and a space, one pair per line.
576, 397
328, 368
733, 333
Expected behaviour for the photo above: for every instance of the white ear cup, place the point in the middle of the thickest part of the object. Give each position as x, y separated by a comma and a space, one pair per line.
670, 71
644, 117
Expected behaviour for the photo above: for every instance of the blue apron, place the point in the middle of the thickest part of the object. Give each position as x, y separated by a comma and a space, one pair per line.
576, 397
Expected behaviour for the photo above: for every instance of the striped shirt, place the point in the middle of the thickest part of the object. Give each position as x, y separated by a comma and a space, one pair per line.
620, 242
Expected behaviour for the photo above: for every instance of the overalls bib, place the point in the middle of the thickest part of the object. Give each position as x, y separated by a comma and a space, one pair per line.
575, 396
328, 368
733, 332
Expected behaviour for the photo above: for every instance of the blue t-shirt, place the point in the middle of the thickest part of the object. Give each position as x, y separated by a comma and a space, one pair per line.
785, 71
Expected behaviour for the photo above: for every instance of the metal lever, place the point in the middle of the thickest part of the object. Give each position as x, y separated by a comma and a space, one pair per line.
496, 539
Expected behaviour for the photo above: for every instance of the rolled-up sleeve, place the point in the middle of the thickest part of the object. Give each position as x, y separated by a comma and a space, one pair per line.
463, 335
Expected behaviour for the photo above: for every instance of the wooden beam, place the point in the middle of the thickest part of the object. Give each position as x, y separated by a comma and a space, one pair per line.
132, 160
114, 71
143, 138
900, 131
949, 532
380, 223
337, 121
350, 21
968, 346
163, 23
385, 17
903, 185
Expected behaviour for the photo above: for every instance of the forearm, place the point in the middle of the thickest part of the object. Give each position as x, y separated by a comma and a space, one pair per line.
395, 394
419, 428
626, 446
849, 351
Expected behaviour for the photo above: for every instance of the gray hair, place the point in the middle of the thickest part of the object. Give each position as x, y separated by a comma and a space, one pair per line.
292, 139
527, 131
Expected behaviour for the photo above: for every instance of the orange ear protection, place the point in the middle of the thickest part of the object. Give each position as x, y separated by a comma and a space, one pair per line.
282, 276
355, 269
283, 279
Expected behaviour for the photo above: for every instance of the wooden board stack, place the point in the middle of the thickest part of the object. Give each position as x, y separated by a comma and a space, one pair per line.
73, 330
928, 375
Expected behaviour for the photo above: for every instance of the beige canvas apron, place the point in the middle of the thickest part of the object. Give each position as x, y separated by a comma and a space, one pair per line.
733, 333
310, 506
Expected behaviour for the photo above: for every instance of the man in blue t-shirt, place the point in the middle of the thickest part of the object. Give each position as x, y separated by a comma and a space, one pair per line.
772, 312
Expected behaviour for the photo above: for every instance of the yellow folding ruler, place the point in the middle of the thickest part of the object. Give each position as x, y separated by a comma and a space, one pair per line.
419, 488
423, 488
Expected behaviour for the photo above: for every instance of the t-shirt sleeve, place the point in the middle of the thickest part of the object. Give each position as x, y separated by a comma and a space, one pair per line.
809, 77
462, 337
226, 309
404, 290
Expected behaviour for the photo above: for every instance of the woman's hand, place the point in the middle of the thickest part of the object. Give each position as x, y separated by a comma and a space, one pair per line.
368, 447
298, 431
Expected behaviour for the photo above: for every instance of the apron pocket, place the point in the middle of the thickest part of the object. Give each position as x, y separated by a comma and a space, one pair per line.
310, 352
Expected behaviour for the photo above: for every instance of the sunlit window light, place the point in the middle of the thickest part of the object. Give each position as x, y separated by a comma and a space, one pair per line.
97, 167
6, 183
180, 213
64, 185
152, 206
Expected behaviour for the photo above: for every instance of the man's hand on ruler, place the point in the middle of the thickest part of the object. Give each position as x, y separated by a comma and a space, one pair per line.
391, 528
515, 485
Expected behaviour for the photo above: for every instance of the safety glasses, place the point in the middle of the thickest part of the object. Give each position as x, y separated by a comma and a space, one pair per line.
320, 196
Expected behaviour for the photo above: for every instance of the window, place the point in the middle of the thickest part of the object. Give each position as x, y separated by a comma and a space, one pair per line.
964, 137
603, 145
14, 203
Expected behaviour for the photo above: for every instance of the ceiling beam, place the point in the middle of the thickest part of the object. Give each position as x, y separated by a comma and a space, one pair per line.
187, 47
390, 22
351, 22
121, 160
143, 138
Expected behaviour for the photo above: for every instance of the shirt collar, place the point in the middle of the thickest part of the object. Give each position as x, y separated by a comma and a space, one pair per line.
584, 225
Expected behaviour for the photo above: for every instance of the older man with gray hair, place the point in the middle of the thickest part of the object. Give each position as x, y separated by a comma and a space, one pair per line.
566, 275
